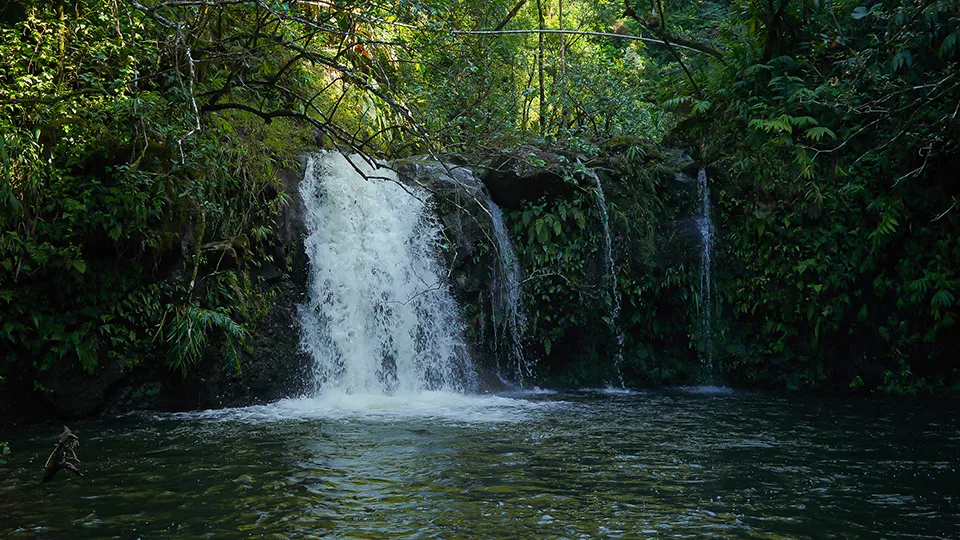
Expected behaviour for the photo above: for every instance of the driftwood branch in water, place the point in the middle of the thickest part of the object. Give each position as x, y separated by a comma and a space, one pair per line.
61, 457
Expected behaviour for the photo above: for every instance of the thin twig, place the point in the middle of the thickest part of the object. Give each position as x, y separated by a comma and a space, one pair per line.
567, 32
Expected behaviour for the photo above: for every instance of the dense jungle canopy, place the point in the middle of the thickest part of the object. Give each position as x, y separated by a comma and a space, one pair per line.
141, 146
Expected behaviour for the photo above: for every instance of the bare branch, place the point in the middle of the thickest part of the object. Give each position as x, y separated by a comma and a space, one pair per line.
511, 15
581, 33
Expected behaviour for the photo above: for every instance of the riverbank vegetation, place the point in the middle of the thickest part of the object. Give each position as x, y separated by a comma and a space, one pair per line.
141, 145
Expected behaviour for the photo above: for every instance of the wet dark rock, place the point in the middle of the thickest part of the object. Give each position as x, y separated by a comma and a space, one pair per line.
459, 198
75, 393
689, 172
268, 272
527, 174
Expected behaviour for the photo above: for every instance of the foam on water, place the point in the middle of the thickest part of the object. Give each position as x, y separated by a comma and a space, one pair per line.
610, 391
340, 405
529, 392
705, 389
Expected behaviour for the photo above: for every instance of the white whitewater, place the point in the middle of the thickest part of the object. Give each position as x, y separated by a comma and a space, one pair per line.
705, 225
336, 405
380, 319
612, 273
506, 293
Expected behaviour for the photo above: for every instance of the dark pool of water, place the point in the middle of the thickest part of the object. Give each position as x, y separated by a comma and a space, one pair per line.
672, 463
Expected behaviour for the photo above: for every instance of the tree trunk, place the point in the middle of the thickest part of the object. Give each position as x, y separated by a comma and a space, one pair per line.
543, 94
772, 43
563, 64
511, 15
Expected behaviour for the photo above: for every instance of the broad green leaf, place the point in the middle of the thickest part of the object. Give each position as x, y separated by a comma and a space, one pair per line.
817, 133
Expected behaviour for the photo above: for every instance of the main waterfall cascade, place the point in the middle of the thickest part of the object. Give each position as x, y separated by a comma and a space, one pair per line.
380, 318
705, 226
506, 293
612, 273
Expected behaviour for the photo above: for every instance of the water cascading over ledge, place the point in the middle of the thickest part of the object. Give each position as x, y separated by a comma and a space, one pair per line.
705, 227
506, 293
380, 318
611, 269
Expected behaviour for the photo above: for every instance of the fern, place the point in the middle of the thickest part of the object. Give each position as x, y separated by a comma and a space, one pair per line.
817, 133
187, 336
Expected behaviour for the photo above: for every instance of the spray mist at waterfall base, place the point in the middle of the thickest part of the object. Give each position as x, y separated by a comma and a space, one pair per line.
341, 405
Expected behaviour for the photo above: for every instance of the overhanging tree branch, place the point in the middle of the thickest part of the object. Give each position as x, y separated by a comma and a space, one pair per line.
708, 50
511, 15
663, 24
661, 32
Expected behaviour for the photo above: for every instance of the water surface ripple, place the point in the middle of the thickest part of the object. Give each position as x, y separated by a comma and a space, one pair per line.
680, 463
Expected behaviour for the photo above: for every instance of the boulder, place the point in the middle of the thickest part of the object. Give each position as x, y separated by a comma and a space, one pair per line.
525, 175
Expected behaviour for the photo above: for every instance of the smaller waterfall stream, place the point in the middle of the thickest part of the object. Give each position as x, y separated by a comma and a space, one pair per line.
506, 294
612, 273
705, 226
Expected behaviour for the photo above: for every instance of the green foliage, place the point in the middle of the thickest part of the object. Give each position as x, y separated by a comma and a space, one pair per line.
565, 298
110, 193
568, 295
4, 452
657, 270
187, 335
140, 150
839, 255
834, 129
484, 92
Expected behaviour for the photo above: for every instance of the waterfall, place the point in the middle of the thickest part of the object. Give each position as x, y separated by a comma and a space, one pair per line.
380, 318
505, 292
705, 225
612, 273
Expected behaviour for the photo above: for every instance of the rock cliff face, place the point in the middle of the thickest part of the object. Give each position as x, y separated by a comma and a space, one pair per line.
525, 175
273, 365
655, 241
